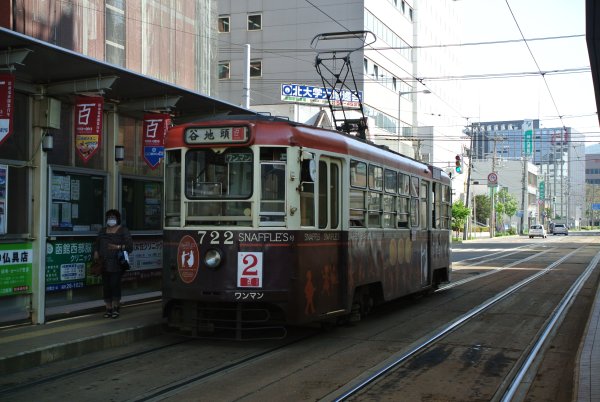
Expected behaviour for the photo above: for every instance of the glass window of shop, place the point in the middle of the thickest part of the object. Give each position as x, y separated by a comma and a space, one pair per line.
78, 201
15, 155
16, 152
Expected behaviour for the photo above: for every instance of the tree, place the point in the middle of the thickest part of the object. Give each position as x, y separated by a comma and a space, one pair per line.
460, 213
505, 204
482, 208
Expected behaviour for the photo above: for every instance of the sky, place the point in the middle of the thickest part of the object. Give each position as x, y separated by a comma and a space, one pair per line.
570, 95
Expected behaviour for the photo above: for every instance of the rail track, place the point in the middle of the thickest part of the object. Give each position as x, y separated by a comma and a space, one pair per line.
402, 349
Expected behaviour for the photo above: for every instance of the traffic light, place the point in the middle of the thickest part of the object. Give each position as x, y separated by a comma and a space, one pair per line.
458, 164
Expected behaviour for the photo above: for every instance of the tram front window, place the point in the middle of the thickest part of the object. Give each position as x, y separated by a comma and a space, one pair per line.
215, 184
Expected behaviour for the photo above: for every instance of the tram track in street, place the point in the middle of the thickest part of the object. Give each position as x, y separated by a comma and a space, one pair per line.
398, 329
361, 385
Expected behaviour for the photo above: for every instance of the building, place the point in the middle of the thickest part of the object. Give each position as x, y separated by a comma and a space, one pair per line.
509, 176
559, 152
283, 79
56, 183
172, 44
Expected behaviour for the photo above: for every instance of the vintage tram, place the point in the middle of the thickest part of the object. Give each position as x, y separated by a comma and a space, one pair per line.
269, 222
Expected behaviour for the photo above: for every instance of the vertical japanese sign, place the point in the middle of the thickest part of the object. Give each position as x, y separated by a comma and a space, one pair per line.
15, 268
527, 137
3, 197
88, 125
7, 101
153, 142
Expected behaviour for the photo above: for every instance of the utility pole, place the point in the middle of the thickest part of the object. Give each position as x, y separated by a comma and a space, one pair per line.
492, 191
524, 193
468, 182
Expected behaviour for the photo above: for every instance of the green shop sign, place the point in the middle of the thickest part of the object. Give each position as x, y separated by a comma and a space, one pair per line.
67, 263
15, 268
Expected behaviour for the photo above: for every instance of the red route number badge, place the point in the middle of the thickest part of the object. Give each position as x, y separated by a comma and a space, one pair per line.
188, 257
250, 270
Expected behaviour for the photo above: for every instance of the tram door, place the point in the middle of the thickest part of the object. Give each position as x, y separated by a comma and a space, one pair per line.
329, 211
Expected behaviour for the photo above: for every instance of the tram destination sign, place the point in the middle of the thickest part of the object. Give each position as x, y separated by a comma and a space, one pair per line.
216, 135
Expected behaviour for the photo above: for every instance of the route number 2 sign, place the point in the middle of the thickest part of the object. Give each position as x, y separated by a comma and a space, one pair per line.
250, 270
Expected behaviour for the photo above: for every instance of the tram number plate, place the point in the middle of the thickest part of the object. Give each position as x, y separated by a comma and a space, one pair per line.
250, 270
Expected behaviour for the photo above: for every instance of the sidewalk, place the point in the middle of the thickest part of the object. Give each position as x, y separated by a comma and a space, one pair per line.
27, 346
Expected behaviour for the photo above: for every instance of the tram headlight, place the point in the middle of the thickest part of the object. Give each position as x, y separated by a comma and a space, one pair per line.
213, 258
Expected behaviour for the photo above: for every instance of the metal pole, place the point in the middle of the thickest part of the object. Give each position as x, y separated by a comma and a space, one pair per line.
468, 182
523, 193
246, 89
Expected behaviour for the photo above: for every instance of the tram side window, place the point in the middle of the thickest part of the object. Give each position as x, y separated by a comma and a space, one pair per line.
414, 201
375, 197
323, 195
358, 182
446, 207
424, 221
403, 200
334, 175
307, 190
389, 200
436, 193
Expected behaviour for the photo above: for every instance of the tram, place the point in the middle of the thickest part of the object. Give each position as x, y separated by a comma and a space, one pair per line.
271, 223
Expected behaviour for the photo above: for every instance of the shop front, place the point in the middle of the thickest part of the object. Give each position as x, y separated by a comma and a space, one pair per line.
79, 137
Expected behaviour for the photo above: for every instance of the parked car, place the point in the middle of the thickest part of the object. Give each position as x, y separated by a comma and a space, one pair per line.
560, 228
537, 230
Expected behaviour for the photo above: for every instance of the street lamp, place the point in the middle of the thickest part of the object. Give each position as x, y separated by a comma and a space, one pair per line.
400, 93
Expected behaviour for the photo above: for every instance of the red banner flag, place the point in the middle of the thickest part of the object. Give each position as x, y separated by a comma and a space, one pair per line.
88, 125
7, 102
153, 141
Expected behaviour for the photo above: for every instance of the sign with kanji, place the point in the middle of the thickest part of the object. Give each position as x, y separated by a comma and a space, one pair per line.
66, 264
527, 137
542, 190
250, 270
153, 142
7, 101
15, 268
88, 125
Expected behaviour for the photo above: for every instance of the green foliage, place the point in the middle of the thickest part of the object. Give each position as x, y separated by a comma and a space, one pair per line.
460, 213
482, 208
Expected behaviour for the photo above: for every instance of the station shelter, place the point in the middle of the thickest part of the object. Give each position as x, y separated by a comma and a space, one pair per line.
79, 136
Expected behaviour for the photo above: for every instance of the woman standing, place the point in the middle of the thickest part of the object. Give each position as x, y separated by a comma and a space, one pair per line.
111, 239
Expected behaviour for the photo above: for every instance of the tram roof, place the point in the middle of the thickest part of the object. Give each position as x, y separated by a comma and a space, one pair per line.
308, 136
48, 64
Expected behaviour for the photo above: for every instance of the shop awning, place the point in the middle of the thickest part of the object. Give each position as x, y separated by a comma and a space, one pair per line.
47, 64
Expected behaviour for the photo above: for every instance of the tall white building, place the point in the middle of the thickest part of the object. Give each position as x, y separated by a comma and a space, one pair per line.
388, 72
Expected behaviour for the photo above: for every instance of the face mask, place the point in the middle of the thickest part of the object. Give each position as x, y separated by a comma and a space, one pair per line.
111, 222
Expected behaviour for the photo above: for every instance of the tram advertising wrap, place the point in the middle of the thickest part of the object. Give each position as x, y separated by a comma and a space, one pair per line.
270, 223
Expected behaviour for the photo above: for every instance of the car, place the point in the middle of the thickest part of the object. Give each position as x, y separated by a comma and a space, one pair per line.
537, 230
560, 228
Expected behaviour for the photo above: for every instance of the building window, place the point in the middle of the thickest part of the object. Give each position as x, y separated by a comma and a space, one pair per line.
77, 201
224, 24
256, 68
115, 32
254, 22
224, 68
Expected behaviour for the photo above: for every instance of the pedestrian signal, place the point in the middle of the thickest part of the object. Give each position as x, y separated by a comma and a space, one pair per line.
458, 164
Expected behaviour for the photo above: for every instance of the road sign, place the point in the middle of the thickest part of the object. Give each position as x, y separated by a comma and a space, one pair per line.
492, 179
527, 137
